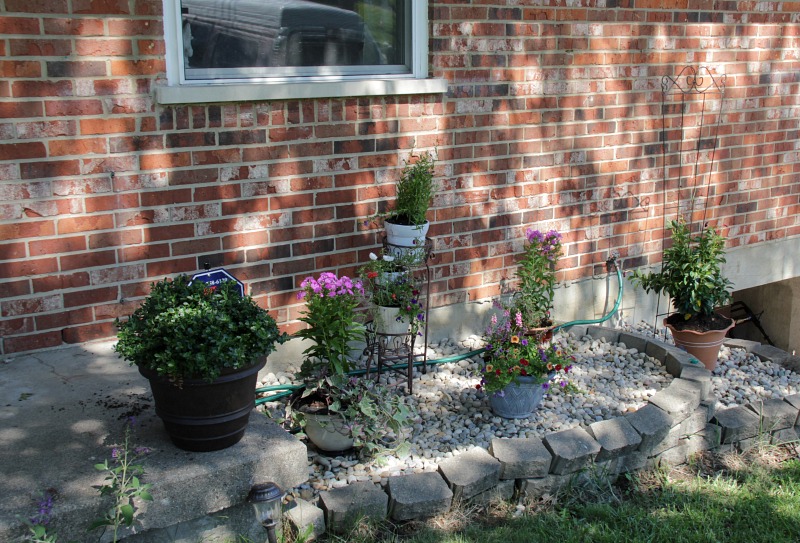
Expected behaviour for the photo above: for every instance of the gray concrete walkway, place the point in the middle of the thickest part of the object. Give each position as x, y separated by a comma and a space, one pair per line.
63, 411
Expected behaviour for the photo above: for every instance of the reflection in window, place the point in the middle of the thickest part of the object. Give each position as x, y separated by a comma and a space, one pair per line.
278, 38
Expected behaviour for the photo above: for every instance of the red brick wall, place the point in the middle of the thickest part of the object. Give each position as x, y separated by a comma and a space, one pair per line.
551, 120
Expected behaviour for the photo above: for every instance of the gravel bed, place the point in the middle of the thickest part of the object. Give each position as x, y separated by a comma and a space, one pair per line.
454, 416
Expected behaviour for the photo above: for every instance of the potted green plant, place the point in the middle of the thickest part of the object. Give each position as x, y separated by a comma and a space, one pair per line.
537, 279
201, 348
393, 294
518, 370
691, 275
406, 223
337, 410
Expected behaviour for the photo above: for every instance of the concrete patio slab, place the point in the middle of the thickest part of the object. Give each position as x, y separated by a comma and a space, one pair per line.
65, 410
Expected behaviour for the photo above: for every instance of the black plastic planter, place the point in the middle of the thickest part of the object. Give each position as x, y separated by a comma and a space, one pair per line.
206, 416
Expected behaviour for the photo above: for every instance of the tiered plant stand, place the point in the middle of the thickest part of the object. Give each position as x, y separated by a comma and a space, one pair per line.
395, 352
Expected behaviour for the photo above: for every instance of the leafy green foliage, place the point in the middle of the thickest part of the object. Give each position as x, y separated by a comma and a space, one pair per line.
691, 272
123, 486
388, 282
370, 411
537, 275
414, 192
330, 314
194, 331
39, 534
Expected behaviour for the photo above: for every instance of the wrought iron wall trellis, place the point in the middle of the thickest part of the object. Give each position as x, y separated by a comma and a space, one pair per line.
691, 113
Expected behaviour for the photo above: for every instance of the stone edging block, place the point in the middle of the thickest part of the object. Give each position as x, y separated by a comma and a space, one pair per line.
572, 450
346, 505
775, 414
679, 420
738, 423
470, 473
306, 519
652, 424
616, 438
521, 458
419, 495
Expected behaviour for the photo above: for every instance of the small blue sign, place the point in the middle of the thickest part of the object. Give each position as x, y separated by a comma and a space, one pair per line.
214, 277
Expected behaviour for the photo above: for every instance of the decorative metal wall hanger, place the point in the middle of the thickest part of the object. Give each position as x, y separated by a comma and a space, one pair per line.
692, 85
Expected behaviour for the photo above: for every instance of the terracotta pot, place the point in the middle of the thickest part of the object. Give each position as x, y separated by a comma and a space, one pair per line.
540, 335
704, 346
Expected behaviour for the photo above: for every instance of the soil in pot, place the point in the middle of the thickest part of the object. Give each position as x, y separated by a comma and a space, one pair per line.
699, 323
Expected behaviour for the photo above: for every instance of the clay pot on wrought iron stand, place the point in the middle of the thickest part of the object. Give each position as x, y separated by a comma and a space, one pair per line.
702, 345
402, 239
204, 416
388, 321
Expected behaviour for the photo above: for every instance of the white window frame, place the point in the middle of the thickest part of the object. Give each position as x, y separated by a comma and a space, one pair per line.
181, 91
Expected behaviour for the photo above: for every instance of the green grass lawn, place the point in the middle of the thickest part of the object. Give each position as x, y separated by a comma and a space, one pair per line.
728, 499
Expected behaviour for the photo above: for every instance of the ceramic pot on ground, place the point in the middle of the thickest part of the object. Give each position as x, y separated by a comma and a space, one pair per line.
518, 400
328, 432
405, 239
702, 345
206, 416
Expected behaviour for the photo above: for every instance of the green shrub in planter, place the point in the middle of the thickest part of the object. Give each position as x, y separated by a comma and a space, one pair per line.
186, 331
691, 274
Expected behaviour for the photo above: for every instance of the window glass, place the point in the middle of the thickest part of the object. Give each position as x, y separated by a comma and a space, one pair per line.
239, 39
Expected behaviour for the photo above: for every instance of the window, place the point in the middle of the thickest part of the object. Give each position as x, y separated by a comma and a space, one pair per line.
291, 42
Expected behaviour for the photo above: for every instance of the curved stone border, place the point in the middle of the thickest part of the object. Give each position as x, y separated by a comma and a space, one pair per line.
679, 421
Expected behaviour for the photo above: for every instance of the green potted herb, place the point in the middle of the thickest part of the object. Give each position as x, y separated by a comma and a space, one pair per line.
201, 347
691, 275
406, 223
337, 410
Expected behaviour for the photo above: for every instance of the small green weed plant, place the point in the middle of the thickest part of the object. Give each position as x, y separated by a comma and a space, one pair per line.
123, 486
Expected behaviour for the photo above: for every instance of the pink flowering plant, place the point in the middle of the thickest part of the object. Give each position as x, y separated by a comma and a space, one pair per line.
333, 323
537, 277
510, 354
370, 411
